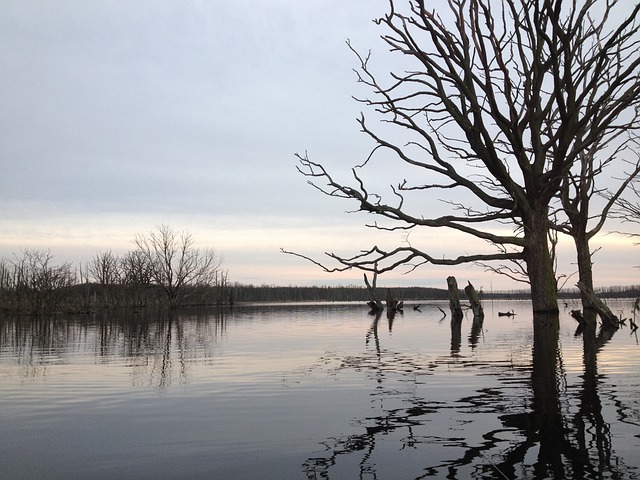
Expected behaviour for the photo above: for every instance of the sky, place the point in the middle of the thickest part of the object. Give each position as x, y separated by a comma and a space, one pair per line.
118, 117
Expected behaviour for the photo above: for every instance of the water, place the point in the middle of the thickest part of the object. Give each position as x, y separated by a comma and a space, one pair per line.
318, 392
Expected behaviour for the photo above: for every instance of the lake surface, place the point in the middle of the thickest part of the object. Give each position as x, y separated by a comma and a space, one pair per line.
318, 392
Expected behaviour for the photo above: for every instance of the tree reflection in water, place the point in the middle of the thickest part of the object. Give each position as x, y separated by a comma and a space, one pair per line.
155, 343
540, 437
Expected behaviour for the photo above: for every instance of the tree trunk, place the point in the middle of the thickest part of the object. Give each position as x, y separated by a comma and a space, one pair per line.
374, 303
454, 298
544, 290
476, 303
585, 268
548, 422
607, 316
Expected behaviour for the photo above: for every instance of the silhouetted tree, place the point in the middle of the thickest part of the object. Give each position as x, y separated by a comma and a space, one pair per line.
40, 286
498, 101
588, 205
105, 268
175, 264
135, 270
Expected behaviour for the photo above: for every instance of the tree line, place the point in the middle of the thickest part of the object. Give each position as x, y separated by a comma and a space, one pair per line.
338, 293
164, 269
356, 293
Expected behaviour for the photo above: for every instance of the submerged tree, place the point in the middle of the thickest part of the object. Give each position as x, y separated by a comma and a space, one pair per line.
577, 197
497, 104
175, 264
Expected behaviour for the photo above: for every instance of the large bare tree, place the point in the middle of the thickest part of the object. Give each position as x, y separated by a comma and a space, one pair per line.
495, 104
175, 264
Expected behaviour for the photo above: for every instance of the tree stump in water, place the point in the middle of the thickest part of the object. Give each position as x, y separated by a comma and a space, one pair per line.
474, 298
454, 298
392, 303
375, 304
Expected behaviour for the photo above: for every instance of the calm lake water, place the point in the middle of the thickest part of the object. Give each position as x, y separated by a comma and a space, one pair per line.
318, 392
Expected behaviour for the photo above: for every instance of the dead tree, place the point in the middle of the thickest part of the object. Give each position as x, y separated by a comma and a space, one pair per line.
608, 317
474, 298
454, 298
374, 302
393, 304
496, 102
174, 263
580, 186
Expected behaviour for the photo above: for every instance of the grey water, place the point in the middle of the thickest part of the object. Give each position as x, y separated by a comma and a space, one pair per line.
323, 391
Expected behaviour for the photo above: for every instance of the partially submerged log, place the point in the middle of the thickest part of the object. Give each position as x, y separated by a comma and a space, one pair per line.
577, 314
454, 298
607, 316
510, 313
474, 298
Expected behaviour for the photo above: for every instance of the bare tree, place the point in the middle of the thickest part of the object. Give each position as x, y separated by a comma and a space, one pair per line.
40, 286
175, 264
627, 208
105, 268
579, 196
497, 103
135, 270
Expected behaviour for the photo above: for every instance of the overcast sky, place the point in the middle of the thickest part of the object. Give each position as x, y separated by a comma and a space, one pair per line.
121, 116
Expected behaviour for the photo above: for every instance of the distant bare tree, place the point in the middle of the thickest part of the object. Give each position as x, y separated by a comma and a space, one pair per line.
175, 264
6, 270
7, 285
135, 269
39, 284
105, 268
497, 103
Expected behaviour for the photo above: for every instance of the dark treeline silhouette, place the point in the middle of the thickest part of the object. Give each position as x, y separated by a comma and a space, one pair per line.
165, 269
618, 291
31, 283
350, 293
354, 293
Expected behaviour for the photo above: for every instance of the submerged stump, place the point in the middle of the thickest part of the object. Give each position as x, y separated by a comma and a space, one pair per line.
374, 303
454, 298
476, 304
392, 303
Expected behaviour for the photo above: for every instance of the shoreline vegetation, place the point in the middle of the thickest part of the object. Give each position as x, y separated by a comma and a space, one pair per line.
167, 271
89, 297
